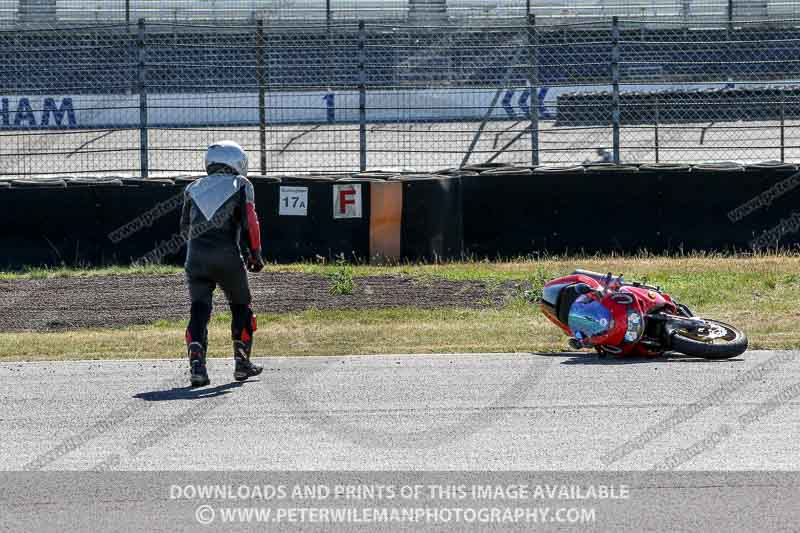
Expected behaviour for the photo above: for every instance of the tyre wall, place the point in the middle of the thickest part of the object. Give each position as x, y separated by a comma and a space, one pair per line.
604, 208
295, 233
482, 211
432, 226
96, 224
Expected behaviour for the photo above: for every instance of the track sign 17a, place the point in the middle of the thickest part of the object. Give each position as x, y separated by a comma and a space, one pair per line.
293, 201
347, 200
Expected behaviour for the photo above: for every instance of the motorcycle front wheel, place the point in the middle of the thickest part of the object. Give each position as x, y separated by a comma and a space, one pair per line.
717, 340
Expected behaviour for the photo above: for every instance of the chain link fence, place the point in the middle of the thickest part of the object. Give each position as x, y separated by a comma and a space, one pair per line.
147, 98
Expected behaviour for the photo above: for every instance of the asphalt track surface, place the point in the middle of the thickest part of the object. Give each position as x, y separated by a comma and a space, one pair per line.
567, 414
411, 146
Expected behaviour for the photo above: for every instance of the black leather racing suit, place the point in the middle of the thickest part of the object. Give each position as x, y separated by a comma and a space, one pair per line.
219, 214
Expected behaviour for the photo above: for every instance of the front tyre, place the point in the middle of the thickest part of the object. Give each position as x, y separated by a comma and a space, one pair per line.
716, 340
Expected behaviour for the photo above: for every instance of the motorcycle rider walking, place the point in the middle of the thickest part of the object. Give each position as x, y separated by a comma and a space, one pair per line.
219, 212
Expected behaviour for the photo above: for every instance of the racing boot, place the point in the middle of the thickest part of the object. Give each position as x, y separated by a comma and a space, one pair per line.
244, 367
198, 375
242, 328
197, 343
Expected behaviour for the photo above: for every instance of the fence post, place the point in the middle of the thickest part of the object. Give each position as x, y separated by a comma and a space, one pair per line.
533, 84
261, 76
328, 15
656, 117
142, 86
362, 96
615, 114
730, 17
783, 127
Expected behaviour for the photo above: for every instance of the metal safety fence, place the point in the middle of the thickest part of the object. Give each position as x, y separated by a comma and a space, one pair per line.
147, 98
16, 13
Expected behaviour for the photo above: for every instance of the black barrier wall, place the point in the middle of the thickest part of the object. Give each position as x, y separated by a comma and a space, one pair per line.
432, 226
293, 237
102, 224
629, 209
501, 212
724, 209
158, 210
46, 226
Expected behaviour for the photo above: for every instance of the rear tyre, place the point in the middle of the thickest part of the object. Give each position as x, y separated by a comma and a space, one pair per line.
717, 341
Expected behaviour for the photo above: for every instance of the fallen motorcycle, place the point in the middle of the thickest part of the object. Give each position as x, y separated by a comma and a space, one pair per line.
614, 317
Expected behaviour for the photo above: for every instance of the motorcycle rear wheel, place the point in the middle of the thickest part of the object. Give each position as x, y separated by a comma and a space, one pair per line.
719, 341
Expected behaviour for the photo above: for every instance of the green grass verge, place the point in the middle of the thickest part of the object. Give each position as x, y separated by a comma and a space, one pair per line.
514, 328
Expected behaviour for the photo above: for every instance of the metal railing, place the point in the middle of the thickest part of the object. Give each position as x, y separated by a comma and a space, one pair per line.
17, 13
147, 98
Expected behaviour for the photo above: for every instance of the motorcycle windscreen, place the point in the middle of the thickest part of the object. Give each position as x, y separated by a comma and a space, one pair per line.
589, 317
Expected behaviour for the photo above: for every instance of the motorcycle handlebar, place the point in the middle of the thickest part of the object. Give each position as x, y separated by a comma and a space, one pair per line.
614, 280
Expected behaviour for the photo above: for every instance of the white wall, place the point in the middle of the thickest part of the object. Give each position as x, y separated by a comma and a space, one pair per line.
432, 105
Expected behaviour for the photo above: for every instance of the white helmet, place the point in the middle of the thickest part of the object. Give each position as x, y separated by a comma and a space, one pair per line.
227, 153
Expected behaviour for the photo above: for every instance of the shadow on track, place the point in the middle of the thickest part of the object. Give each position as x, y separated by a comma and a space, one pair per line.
587, 358
190, 393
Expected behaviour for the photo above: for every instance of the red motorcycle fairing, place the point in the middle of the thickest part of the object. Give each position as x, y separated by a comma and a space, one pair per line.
553, 302
559, 295
650, 299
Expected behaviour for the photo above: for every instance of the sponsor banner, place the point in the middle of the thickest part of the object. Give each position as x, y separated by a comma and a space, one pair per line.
297, 107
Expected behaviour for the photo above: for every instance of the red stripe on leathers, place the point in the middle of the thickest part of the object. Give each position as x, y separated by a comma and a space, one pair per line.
254, 227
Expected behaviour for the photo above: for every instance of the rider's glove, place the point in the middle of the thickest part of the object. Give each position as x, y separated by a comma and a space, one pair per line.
255, 263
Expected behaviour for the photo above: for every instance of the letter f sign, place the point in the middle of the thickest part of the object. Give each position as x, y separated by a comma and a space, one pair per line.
347, 201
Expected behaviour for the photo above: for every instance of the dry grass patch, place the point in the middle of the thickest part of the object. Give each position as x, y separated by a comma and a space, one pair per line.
310, 333
514, 328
